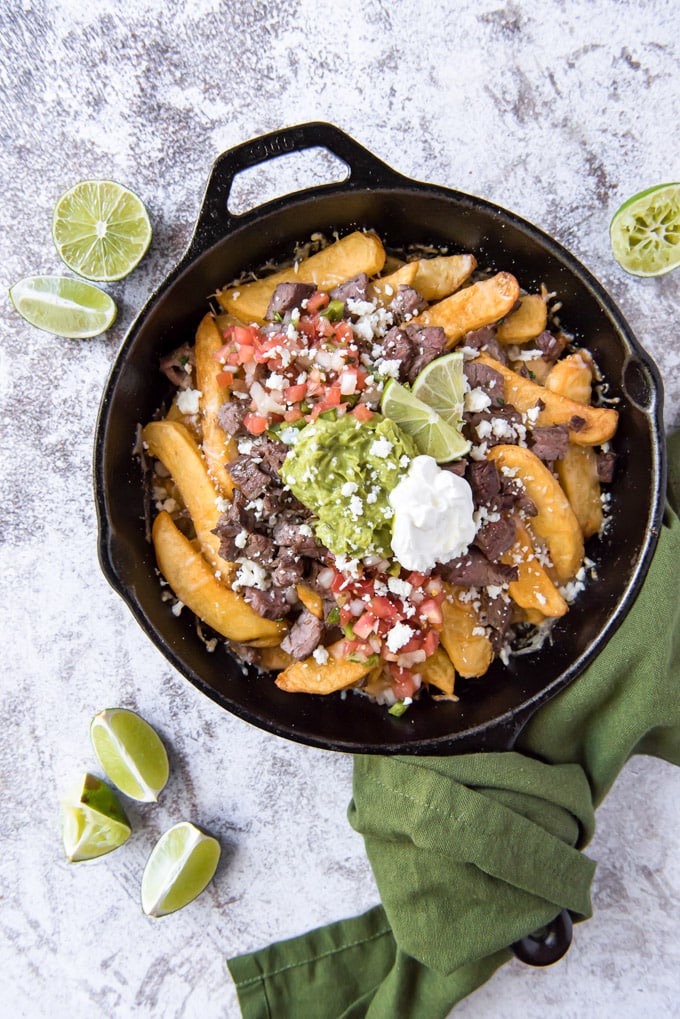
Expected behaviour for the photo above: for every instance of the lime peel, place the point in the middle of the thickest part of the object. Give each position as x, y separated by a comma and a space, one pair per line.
131, 753
432, 435
645, 231
181, 865
63, 306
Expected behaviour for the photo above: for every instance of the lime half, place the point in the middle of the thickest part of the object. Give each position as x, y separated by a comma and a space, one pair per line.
181, 864
63, 306
432, 435
130, 752
645, 231
101, 229
441, 385
94, 821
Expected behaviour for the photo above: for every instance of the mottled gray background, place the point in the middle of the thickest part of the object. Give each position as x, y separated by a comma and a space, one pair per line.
557, 110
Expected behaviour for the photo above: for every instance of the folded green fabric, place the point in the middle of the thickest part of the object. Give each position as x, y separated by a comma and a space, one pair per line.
470, 853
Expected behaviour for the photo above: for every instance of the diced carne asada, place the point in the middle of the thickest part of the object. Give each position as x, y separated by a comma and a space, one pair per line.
406, 303
551, 345
304, 635
484, 480
496, 537
287, 569
296, 535
271, 453
270, 604
355, 289
550, 443
474, 570
248, 476
497, 614
485, 339
287, 296
493, 426
456, 467
260, 549
606, 463
414, 347
231, 414
178, 365
482, 376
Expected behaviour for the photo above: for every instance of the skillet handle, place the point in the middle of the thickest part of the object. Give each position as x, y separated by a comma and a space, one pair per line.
215, 221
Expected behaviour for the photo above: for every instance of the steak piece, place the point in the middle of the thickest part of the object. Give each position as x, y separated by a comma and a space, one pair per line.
354, 289
482, 376
485, 339
270, 604
287, 296
550, 345
414, 347
406, 303
231, 414
174, 366
495, 538
260, 549
248, 476
304, 635
474, 570
606, 462
484, 480
492, 426
550, 443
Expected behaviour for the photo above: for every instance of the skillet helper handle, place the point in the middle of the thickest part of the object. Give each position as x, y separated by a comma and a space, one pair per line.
549, 945
215, 221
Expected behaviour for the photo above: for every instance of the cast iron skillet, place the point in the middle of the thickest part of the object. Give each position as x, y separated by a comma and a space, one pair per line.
492, 710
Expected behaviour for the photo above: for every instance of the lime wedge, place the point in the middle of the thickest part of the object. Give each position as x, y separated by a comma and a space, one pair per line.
94, 821
432, 435
441, 385
645, 231
63, 306
181, 864
101, 229
130, 752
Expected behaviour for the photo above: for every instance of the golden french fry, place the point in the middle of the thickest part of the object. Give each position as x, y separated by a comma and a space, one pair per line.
438, 277
533, 590
526, 322
578, 477
218, 447
471, 653
438, 670
194, 583
386, 287
600, 422
273, 659
309, 676
355, 253
572, 376
475, 306
555, 521
171, 443
312, 601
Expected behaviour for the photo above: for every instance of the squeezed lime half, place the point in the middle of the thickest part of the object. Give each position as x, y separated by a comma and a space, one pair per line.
645, 231
63, 306
101, 229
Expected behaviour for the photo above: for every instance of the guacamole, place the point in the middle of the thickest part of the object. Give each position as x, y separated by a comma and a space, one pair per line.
344, 470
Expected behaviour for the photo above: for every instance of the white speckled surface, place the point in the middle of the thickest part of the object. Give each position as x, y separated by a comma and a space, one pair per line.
556, 110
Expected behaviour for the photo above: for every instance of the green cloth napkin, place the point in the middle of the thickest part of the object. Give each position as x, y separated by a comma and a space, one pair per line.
470, 853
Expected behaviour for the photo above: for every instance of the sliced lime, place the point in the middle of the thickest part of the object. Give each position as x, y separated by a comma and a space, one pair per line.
181, 864
432, 435
441, 385
94, 821
645, 231
130, 752
63, 306
101, 229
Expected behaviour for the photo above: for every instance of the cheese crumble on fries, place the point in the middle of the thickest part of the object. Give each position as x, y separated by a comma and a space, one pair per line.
314, 345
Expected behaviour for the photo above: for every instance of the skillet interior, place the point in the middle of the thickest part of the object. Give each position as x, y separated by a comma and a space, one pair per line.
491, 710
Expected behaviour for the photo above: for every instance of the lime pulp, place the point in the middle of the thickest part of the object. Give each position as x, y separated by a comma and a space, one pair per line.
182, 863
94, 821
645, 231
131, 753
441, 385
432, 435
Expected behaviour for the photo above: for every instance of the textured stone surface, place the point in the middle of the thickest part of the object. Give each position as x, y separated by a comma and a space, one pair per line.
558, 111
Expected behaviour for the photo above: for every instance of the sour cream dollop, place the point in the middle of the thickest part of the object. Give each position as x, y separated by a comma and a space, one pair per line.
433, 516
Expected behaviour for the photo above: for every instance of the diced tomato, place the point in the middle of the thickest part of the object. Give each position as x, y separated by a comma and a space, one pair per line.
245, 336
357, 650
383, 608
404, 683
362, 413
294, 394
224, 379
255, 424
364, 625
333, 396
346, 615
431, 611
343, 332
294, 414
431, 642
245, 353
223, 351
317, 301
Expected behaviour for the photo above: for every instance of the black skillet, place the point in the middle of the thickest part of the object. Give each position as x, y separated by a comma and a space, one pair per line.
491, 711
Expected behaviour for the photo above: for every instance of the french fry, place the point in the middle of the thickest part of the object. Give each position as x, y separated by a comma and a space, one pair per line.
355, 253
470, 653
475, 306
434, 278
526, 322
194, 583
386, 287
577, 472
309, 676
171, 443
599, 422
438, 670
273, 659
218, 447
311, 600
572, 376
533, 590
555, 521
